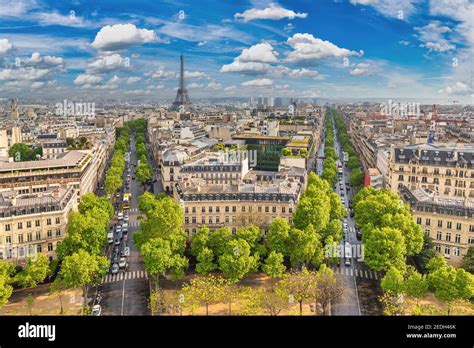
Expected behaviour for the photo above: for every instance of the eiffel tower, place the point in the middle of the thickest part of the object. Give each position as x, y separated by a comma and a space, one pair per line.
182, 97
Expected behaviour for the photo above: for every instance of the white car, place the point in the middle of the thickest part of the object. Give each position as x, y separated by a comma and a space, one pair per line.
114, 269
96, 310
120, 215
122, 262
126, 251
125, 227
118, 229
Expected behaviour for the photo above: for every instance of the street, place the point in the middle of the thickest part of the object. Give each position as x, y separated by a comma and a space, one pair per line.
126, 293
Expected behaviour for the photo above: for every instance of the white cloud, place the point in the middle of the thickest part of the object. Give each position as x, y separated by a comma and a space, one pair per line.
5, 46
457, 88
274, 12
195, 85
245, 68
258, 83
16, 8
37, 85
195, 74
107, 64
161, 73
87, 79
262, 53
138, 92
21, 74
230, 88
133, 79
400, 9
306, 47
156, 87
284, 72
432, 36
55, 18
214, 85
207, 33
121, 36
359, 71
39, 61
404, 42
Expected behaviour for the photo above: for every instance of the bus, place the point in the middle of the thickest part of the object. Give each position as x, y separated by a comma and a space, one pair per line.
339, 168
126, 201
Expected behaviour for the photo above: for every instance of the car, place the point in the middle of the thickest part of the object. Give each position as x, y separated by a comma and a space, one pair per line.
110, 237
125, 227
358, 234
123, 262
118, 229
125, 219
347, 262
352, 213
126, 251
120, 215
96, 310
342, 193
133, 178
114, 269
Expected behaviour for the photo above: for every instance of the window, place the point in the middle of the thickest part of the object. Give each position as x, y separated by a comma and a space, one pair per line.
193, 219
20, 225
234, 209
243, 208
418, 220
20, 238
267, 209
8, 239
49, 233
58, 232
203, 220
283, 209
428, 222
400, 178
186, 220
447, 251
274, 209
7, 227
186, 210
37, 223
50, 246
226, 219
39, 248
194, 209
38, 235
218, 220
210, 209
470, 241
233, 219
218, 210
438, 248
448, 237
48, 222
226, 208
58, 221
471, 228
457, 239
28, 224
456, 251
439, 235
29, 237
210, 220
458, 226
203, 209
440, 223
259, 209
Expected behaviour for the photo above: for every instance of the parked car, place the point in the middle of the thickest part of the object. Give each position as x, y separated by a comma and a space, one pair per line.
358, 234
110, 237
120, 215
126, 251
114, 269
117, 241
125, 227
96, 310
123, 262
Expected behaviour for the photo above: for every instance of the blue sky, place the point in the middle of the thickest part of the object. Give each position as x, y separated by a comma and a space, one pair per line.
300, 48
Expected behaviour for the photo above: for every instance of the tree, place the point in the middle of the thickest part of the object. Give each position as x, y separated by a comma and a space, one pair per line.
205, 261
253, 236
297, 287
392, 283
204, 290
436, 263
314, 211
411, 231
218, 240
57, 288
337, 210
427, 253
22, 152
200, 240
277, 236
82, 269
144, 172
384, 248
468, 260
333, 230
273, 302
450, 284
36, 270
353, 162
328, 288
30, 302
416, 286
249, 300
305, 247
157, 257
356, 179
236, 261
90, 201
6, 290
147, 202
273, 266
286, 151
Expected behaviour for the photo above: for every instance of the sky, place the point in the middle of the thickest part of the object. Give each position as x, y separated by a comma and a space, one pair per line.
391, 49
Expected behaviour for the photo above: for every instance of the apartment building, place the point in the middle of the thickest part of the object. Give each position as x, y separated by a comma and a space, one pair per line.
448, 221
34, 223
446, 170
230, 194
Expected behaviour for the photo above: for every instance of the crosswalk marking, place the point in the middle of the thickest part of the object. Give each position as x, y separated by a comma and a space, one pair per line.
365, 273
370, 275
351, 273
375, 273
111, 278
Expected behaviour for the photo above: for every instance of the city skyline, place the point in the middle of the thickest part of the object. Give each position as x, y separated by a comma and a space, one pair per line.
324, 50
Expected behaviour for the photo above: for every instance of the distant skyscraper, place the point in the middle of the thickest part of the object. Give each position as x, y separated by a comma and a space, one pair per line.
182, 97
14, 109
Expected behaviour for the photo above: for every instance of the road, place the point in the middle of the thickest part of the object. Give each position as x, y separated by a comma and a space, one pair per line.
126, 293
359, 283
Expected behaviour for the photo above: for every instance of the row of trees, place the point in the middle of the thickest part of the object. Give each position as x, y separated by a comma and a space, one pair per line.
143, 170
329, 164
447, 283
295, 288
114, 175
356, 178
